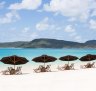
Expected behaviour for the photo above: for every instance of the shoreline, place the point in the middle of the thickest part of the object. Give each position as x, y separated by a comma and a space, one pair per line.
46, 48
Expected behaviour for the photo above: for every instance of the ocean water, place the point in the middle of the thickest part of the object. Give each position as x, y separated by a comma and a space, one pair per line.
31, 53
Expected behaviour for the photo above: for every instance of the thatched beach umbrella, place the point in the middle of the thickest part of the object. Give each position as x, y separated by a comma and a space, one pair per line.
14, 60
88, 57
44, 59
68, 58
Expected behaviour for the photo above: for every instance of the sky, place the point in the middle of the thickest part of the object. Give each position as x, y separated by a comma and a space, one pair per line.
25, 20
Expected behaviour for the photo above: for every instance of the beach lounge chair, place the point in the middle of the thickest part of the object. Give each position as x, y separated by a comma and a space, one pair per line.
66, 67
45, 69
18, 71
88, 65
15, 72
41, 68
37, 70
5, 72
11, 71
72, 66
48, 68
93, 65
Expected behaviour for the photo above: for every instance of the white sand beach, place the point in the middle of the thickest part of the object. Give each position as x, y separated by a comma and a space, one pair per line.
71, 80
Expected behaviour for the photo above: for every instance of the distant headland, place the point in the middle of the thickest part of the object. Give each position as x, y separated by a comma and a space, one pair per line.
49, 43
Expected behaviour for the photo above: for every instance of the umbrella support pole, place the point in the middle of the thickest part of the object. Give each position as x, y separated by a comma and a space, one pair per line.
44, 64
68, 62
14, 66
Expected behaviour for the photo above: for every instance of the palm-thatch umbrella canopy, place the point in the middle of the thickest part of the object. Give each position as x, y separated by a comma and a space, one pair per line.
68, 58
14, 60
88, 57
44, 59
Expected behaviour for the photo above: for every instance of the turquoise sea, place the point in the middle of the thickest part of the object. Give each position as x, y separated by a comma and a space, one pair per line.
31, 53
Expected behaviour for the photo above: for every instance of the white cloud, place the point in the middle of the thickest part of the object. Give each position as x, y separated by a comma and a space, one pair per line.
27, 34
58, 28
69, 28
72, 19
93, 13
78, 38
73, 33
26, 29
23, 34
92, 24
2, 4
9, 17
80, 9
33, 36
26, 4
45, 24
